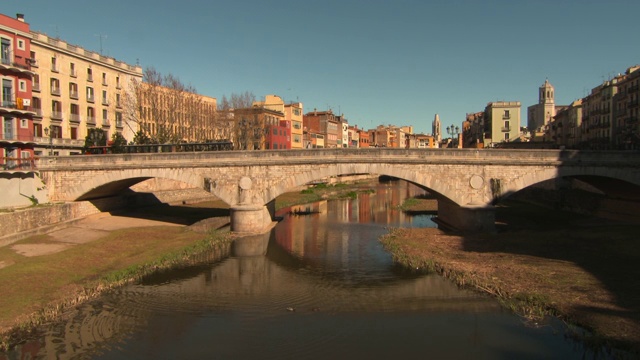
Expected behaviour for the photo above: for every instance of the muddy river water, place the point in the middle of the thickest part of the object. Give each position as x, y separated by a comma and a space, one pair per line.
321, 287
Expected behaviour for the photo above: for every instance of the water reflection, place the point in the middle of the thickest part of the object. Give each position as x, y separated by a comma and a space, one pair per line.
317, 286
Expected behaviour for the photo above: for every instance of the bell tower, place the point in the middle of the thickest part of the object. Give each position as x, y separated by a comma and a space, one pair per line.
437, 128
547, 101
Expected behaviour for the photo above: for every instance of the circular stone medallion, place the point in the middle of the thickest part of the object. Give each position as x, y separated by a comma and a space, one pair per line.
476, 181
245, 183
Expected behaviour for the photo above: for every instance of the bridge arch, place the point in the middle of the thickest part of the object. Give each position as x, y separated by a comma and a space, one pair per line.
604, 179
114, 182
424, 179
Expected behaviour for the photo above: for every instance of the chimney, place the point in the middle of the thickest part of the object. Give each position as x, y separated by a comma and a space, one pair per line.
20, 17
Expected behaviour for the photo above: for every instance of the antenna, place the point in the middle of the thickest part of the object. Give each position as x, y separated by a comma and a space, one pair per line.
101, 37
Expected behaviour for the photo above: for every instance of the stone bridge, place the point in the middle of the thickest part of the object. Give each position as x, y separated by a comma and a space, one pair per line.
467, 182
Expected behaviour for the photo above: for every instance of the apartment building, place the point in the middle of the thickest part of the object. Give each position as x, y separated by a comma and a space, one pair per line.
501, 122
16, 111
293, 112
626, 127
166, 114
251, 126
75, 90
324, 123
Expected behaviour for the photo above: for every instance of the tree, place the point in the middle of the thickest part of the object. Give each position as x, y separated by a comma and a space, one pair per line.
95, 137
168, 111
117, 143
234, 121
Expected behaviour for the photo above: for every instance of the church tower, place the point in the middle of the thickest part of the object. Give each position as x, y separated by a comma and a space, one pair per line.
541, 113
437, 129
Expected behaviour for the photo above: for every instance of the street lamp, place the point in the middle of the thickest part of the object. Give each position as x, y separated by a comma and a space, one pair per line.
453, 131
51, 132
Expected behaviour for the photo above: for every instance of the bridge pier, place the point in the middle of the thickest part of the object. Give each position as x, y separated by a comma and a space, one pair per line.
466, 218
251, 218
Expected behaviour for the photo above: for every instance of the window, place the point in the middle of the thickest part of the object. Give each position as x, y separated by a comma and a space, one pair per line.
506, 125
506, 115
7, 92
56, 110
118, 82
89, 75
73, 90
90, 97
118, 100
22, 85
35, 84
91, 115
54, 64
74, 133
5, 51
506, 136
24, 123
55, 86
72, 70
105, 117
104, 78
33, 59
118, 119
21, 44
104, 98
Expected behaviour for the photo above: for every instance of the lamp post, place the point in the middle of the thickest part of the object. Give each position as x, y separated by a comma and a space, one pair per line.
453, 131
51, 132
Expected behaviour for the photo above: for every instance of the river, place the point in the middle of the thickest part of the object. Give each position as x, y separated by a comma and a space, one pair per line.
319, 286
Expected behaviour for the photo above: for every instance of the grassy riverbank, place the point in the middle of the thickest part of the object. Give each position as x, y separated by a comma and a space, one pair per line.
542, 262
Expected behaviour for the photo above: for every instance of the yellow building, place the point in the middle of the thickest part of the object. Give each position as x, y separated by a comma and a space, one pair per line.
502, 122
75, 90
171, 115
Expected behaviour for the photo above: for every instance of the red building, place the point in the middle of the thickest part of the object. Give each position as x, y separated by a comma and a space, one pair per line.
279, 135
16, 132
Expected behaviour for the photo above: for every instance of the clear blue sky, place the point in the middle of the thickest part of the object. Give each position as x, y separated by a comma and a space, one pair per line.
378, 62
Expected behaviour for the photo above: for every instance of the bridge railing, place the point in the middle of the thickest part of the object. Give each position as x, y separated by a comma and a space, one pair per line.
370, 155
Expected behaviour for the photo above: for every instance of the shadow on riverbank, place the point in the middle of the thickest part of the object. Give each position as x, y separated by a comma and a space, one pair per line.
578, 267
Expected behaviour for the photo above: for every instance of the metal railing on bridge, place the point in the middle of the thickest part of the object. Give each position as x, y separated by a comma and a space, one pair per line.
17, 164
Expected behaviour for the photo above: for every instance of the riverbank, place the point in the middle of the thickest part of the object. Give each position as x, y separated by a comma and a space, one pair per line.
542, 262
44, 275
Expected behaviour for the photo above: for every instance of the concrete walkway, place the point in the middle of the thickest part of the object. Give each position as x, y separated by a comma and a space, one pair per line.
83, 231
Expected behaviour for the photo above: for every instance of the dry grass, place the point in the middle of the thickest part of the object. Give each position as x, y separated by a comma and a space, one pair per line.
543, 262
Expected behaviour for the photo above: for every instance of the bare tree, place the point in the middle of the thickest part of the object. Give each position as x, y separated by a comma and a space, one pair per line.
236, 121
168, 111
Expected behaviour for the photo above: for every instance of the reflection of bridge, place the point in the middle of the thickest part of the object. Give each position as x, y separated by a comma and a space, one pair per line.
466, 181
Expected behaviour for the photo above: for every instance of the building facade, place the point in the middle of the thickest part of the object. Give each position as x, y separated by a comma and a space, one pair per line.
76, 90
17, 140
294, 113
501, 122
324, 123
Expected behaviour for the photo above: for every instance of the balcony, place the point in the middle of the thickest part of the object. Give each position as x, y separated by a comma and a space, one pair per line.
56, 115
16, 137
91, 120
13, 66
105, 102
57, 142
35, 87
55, 90
74, 118
37, 112
15, 107
505, 129
119, 124
105, 123
90, 98
73, 95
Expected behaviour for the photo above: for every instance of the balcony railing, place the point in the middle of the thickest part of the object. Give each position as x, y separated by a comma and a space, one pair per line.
55, 90
90, 98
17, 164
74, 118
56, 115
38, 112
505, 129
35, 87
105, 122
105, 102
73, 94
16, 137
91, 120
